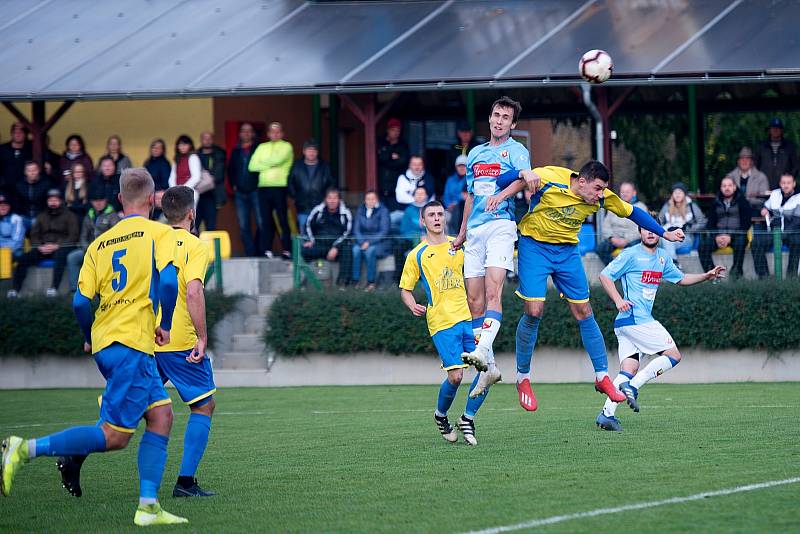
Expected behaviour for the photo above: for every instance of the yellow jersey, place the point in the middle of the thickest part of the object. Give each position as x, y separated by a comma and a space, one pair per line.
556, 213
191, 261
441, 270
122, 266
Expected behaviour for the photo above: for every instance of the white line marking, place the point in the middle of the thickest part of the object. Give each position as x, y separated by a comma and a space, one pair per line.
409, 410
636, 506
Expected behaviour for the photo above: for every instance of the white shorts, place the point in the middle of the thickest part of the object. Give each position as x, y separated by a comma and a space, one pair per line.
647, 338
489, 245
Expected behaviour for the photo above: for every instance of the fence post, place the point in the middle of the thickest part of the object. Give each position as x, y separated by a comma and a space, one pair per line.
296, 262
218, 264
777, 252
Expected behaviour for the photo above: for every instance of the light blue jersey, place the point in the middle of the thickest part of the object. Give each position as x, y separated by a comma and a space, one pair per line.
489, 170
641, 274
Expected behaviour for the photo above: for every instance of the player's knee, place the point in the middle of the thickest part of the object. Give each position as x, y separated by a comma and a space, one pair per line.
455, 376
159, 419
581, 310
534, 308
116, 440
674, 354
205, 409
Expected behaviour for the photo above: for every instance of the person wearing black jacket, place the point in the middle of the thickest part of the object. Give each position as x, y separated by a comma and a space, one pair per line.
329, 228
393, 154
309, 178
106, 183
212, 158
244, 185
31, 194
729, 219
13, 156
777, 156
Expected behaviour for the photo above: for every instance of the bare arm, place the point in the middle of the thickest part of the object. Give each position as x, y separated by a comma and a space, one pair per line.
611, 290
509, 192
196, 305
713, 274
462, 233
408, 299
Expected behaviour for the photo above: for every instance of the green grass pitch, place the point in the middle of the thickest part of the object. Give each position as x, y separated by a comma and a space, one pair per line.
369, 459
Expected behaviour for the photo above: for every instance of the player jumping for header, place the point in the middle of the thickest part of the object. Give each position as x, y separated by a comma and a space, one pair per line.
548, 247
490, 231
440, 269
642, 268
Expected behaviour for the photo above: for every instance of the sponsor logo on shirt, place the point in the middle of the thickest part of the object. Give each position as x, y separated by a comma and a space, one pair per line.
481, 170
504, 154
651, 277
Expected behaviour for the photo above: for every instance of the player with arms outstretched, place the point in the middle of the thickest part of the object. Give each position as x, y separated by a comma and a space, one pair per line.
488, 231
440, 269
642, 268
548, 247
183, 360
131, 267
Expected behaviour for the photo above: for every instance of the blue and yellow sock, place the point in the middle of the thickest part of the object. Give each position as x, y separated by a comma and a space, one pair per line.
194, 443
78, 441
527, 332
473, 405
152, 459
447, 392
595, 345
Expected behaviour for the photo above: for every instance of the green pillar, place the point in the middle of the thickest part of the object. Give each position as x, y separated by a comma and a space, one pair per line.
694, 140
316, 118
333, 135
777, 251
470, 103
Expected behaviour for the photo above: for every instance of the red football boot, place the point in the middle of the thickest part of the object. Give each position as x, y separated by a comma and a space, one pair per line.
526, 398
606, 386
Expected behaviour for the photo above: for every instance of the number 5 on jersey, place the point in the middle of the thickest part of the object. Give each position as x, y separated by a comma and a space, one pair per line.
121, 273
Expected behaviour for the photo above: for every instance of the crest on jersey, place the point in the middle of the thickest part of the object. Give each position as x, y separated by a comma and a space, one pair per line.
661, 261
504, 154
451, 251
568, 210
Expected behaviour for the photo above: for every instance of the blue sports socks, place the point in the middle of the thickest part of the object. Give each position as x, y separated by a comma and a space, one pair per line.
152, 459
194, 443
474, 404
527, 332
78, 441
447, 393
595, 345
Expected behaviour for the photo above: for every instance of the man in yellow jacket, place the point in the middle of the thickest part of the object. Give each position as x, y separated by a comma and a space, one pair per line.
272, 161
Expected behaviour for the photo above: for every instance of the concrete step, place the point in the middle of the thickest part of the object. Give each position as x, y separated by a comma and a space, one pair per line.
243, 360
276, 265
264, 303
280, 283
254, 324
248, 343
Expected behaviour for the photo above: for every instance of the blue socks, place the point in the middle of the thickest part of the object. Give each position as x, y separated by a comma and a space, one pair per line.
527, 332
447, 392
594, 344
75, 441
474, 404
195, 440
152, 459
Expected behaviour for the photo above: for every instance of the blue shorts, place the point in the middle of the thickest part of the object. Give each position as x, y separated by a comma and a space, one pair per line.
539, 260
451, 342
133, 386
194, 381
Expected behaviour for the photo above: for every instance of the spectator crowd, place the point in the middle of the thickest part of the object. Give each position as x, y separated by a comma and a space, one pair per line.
64, 203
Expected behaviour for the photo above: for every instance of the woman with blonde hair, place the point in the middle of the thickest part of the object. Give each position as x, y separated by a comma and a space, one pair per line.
680, 212
76, 190
114, 151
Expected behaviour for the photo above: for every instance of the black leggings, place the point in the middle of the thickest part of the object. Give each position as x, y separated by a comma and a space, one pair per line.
274, 199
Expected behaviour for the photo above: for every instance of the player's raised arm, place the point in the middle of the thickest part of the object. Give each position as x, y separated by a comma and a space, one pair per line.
692, 279
619, 207
462, 233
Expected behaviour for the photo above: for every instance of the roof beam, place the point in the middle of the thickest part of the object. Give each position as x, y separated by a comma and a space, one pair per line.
713, 22
402, 37
546, 37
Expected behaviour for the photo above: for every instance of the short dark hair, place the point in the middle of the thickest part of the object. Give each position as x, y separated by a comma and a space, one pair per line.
333, 190
412, 156
177, 202
594, 170
77, 138
431, 204
508, 102
31, 162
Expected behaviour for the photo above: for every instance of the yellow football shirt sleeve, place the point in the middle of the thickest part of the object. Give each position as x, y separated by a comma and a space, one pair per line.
196, 263
410, 272
87, 279
166, 247
616, 205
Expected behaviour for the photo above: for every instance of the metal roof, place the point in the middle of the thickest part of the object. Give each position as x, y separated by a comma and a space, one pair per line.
86, 49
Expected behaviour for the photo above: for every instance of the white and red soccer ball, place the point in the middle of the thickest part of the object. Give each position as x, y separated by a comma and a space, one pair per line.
595, 66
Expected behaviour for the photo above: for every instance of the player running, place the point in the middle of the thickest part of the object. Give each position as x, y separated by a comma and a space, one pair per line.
490, 232
548, 246
182, 361
131, 268
440, 268
642, 268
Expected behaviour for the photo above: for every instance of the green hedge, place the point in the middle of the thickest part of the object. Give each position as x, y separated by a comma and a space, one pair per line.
38, 326
750, 314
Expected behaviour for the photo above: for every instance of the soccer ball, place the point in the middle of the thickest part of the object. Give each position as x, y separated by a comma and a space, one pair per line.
595, 66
